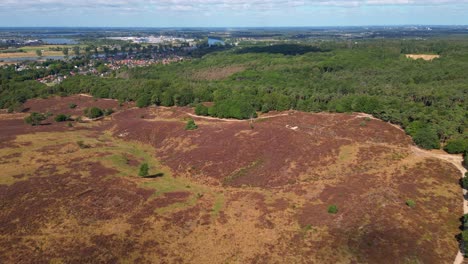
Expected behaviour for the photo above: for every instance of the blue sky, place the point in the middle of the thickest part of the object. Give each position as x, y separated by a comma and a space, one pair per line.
234, 13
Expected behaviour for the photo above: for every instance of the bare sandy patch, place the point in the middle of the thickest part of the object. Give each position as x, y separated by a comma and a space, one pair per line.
427, 57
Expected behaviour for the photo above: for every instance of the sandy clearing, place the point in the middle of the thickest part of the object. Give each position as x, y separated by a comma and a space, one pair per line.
427, 57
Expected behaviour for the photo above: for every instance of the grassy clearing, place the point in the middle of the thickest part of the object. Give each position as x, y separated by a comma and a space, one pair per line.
348, 153
218, 205
30, 51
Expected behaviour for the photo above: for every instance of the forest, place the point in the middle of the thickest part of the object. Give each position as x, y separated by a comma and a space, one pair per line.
427, 98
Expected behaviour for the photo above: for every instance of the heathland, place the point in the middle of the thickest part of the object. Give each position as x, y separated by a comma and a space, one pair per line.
287, 153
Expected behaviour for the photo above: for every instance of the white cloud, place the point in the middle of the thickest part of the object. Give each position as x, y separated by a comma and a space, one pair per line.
206, 5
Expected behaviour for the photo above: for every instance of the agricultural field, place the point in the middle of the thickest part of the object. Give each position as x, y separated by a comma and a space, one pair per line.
30, 51
286, 187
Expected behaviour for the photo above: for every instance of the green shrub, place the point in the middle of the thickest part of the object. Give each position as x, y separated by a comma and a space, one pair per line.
93, 112
61, 118
82, 145
108, 111
191, 125
144, 170
72, 106
35, 119
464, 182
457, 146
332, 209
465, 242
410, 203
201, 110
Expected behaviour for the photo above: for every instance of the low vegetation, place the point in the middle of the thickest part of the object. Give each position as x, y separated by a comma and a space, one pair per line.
62, 118
93, 112
332, 209
35, 119
464, 235
410, 203
144, 170
191, 125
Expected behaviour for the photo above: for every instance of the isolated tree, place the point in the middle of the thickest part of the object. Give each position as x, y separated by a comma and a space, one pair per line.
39, 53
106, 51
65, 52
144, 170
76, 50
35, 119
88, 50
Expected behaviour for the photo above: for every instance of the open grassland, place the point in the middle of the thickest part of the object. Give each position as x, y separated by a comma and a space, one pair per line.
30, 51
228, 192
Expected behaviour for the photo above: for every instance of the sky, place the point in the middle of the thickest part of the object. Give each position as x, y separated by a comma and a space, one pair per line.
233, 13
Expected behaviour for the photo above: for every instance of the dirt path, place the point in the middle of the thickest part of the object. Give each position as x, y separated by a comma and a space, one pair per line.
456, 160
88, 95
237, 120
364, 115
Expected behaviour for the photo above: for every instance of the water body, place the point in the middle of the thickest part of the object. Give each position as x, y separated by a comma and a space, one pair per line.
212, 41
58, 41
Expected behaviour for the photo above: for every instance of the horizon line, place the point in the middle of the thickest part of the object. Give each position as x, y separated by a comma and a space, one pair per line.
369, 25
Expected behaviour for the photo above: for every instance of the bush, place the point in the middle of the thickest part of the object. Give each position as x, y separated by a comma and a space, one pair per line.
108, 111
410, 203
464, 182
332, 209
61, 118
35, 119
457, 146
465, 242
72, 106
93, 112
201, 110
191, 125
82, 145
144, 170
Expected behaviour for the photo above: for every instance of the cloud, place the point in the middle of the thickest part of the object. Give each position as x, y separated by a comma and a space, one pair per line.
205, 5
